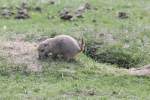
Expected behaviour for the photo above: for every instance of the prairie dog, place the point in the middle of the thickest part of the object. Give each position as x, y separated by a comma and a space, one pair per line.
64, 45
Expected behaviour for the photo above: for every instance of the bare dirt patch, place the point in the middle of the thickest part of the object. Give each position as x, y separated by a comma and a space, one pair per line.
22, 53
143, 71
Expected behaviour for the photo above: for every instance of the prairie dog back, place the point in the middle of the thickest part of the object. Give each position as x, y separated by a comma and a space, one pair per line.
67, 42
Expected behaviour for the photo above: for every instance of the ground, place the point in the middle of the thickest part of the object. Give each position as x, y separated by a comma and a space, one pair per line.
23, 76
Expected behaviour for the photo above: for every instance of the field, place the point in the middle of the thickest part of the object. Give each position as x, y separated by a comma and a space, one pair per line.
24, 77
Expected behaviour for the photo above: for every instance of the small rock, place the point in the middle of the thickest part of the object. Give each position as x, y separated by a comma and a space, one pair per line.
66, 14
6, 13
122, 15
22, 14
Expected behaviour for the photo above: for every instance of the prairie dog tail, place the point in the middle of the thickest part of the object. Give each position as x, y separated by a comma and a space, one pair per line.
82, 45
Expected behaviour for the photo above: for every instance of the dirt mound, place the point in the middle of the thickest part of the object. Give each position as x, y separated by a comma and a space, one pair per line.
21, 52
22, 11
143, 71
22, 14
123, 15
6, 12
65, 14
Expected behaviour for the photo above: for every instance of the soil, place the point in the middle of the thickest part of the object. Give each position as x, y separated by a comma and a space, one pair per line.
21, 52
143, 71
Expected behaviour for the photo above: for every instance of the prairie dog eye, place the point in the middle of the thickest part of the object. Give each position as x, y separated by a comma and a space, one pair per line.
45, 45
42, 50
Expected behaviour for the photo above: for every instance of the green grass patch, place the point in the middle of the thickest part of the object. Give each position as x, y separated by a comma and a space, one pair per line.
86, 78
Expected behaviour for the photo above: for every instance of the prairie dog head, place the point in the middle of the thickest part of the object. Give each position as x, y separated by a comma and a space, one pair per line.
44, 49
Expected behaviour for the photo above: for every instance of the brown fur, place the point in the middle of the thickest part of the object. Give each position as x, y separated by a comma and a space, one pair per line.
63, 45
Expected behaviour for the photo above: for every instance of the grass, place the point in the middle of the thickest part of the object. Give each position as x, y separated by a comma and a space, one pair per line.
84, 79
92, 81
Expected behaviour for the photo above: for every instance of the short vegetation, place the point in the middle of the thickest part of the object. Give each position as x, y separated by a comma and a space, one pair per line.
117, 38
